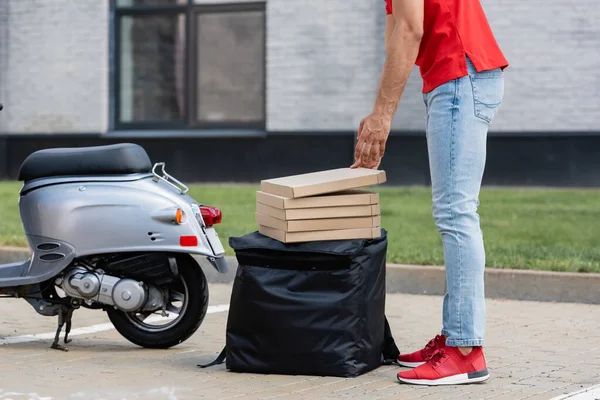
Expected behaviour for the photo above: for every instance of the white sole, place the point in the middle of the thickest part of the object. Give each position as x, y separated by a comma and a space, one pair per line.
410, 364
459, 379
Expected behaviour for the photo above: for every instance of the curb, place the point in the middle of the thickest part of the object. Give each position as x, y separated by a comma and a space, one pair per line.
529, 285
565, 287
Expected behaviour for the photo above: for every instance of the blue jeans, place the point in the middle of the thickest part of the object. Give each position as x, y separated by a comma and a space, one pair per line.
458, 116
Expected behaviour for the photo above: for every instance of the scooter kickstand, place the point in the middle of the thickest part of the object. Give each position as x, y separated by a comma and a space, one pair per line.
64, 315
68, 328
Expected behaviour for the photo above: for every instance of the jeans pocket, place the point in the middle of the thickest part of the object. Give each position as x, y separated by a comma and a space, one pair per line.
488, 92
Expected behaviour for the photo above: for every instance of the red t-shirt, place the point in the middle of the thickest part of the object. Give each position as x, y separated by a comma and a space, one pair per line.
451, 30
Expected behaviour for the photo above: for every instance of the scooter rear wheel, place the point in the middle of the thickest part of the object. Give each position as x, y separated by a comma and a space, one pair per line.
188, 299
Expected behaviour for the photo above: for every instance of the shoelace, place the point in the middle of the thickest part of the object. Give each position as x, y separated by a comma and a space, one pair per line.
433, 342
437, 356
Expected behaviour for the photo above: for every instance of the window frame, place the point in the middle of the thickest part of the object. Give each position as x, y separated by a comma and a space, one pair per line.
190, 10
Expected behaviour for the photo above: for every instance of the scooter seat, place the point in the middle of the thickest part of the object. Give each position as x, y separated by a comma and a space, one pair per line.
116, 159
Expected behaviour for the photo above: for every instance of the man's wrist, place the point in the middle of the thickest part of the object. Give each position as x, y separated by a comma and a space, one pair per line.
381, 114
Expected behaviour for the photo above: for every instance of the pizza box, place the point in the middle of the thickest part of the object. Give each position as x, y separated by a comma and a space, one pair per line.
313, 236
319, 212
337, 199
317, 183
318, 224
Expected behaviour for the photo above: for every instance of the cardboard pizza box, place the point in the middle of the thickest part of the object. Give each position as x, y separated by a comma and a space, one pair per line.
337, 199
338, 234
317, 183
318, 212
318, 224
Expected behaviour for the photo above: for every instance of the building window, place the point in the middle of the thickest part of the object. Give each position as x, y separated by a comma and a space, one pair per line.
180, 64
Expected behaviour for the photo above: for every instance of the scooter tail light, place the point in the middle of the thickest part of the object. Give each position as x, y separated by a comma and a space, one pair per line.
211, 215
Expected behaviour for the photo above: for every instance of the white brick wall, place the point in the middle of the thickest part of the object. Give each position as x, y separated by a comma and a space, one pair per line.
3, 57
323, 63
3, 61
323, 57
553, 46
54, 66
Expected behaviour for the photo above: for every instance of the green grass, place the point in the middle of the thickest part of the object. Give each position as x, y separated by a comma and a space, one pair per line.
11, 230
547, 229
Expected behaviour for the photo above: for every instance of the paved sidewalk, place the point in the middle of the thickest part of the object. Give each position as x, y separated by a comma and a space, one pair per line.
535, 351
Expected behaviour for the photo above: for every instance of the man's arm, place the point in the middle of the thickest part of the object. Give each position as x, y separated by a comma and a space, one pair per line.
390, 24
402, 48
404, 29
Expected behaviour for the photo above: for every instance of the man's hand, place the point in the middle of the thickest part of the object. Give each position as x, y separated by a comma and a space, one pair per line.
404, 29
372, 137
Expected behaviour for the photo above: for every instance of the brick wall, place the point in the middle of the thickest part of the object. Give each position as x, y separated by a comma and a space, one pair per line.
324, 60
323, 63
554, 50
54, 63
3, 58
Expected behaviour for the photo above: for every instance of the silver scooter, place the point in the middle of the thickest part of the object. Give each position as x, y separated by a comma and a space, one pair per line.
108, 230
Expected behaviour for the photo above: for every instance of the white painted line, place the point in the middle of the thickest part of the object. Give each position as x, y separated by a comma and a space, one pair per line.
95, 328
591, 393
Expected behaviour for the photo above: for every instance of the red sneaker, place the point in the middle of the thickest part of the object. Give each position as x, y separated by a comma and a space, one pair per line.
448, 366
420, 357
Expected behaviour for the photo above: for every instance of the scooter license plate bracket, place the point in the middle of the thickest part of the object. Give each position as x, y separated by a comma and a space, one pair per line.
215, 242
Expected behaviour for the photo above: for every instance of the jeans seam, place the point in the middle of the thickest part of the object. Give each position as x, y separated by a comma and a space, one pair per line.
455, 105
474, 100
426, 116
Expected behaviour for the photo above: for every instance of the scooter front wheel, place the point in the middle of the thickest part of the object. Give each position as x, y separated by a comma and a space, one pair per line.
187, 305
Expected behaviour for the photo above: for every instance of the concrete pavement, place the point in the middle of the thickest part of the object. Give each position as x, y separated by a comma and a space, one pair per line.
534, 351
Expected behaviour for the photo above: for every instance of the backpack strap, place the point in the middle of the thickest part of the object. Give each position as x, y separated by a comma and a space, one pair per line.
389, 350
219, 360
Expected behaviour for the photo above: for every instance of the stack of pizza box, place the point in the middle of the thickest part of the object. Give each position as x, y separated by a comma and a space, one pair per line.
325, 205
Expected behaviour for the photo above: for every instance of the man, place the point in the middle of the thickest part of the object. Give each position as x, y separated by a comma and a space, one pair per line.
462, 70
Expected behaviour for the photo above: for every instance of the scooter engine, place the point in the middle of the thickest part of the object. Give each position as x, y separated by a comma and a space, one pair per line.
126, 294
